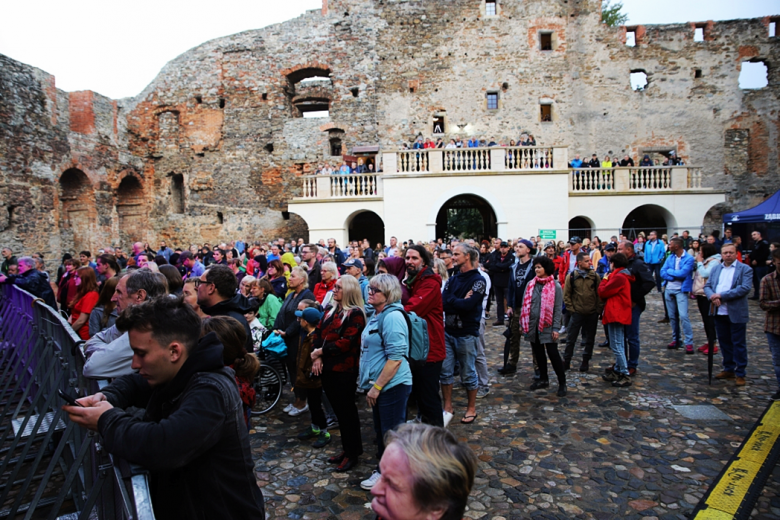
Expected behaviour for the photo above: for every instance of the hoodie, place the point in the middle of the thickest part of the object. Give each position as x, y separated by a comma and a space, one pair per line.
396, 266
463, 316
191, 437
235, 307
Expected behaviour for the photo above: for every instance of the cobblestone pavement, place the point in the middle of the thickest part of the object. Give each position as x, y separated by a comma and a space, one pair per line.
600, 452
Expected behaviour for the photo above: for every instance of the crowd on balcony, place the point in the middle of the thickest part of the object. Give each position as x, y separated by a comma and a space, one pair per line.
525, 139
359, 166
612, 161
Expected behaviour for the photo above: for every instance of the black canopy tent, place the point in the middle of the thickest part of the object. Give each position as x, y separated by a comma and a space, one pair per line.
764, 217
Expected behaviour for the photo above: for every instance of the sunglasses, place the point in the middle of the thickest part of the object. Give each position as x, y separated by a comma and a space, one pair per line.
374, 290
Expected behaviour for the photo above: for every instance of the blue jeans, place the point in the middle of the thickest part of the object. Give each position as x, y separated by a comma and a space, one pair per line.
733, 344
465, 350
677, 305
774, 348
631, 336
616, 338
389, 412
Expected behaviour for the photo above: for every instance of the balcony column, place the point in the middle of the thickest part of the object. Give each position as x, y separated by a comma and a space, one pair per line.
497, 160
390, 162
323, 187
679, 178
560, 158
622, 179
435, 160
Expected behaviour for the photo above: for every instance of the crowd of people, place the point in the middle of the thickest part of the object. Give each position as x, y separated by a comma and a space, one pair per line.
395, 325
613, 161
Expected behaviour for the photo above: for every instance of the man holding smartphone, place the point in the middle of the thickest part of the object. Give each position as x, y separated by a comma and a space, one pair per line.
192, 436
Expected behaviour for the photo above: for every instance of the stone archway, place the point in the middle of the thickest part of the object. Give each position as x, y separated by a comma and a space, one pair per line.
131, 209
77, 210
366, 224
648, 217
466, 216
581, 227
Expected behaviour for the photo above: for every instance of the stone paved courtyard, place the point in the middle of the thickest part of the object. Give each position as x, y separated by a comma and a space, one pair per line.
600, 452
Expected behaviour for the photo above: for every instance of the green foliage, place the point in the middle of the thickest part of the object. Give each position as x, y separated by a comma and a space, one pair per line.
611, 15
464, 223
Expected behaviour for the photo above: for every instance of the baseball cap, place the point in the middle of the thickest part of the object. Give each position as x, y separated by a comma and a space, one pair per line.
575, 240
354, 262
310, 314
610, 247
504, 244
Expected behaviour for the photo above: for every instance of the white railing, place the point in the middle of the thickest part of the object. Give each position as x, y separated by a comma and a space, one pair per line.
336, 186
529, 158
648, 179
494, 159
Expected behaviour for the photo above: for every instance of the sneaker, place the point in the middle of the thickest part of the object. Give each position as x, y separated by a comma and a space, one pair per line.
689, 349
447, 418
416, 420
631, 372
706, 352
703, 348
622, 381
308, 433
333, 423
337, 459
372, 480
483, 392
604, 344
725, 375
776, 396
323, 438
288, 408
539, 384
673, 345
509, 369
346, 464
295, 412
610, 377
562, 331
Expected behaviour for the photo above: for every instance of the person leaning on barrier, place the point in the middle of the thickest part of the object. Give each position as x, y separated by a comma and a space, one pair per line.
191, 436
426, 474
32, 281
108, 353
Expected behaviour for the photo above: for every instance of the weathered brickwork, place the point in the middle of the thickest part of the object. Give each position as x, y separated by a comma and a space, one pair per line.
214, 147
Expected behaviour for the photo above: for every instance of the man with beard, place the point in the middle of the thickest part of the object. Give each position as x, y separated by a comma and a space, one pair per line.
424, 290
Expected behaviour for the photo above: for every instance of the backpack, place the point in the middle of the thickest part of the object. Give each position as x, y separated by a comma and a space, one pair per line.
418, 338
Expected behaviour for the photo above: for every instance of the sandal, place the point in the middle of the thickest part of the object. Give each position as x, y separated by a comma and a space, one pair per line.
466, 420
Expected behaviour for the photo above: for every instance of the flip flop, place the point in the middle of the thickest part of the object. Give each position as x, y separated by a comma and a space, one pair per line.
466, 421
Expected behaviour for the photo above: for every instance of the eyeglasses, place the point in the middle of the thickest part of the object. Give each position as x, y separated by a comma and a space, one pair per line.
374, 290
199, 282
338, 288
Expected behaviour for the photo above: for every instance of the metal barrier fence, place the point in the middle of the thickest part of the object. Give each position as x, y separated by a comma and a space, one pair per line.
46, 461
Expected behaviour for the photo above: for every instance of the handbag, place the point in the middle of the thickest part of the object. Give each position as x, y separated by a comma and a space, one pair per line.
275, 345
698, 284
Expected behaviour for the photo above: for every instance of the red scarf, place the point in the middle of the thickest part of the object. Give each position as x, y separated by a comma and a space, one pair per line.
547, 307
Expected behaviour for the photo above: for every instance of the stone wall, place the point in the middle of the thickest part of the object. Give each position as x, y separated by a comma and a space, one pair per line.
215, 146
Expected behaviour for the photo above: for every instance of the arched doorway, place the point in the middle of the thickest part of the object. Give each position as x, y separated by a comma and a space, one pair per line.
367, 224
131, 210
648, 218
580, 227
77, 209
466, 216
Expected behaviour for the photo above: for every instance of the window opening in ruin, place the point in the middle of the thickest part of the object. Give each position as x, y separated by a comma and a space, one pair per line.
221, 102
490, 7
697, 73
546, 112
313, 107
314, 78
265, 96
505, 86
198, 99
355, 92
698, 34
411, 90
772, 29
754, 75
630, 38
492, 100
269, 148
220, 217
638, 79
285, 215
545, 41
335, 146
438, 124
177, 193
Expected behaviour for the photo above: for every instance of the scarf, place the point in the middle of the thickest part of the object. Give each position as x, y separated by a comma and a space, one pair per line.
547, 306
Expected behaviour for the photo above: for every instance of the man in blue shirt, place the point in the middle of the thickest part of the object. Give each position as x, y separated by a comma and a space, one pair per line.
654, 257
165, 251
677, 271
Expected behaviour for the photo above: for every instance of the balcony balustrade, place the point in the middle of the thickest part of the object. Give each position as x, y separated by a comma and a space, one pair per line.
621, 180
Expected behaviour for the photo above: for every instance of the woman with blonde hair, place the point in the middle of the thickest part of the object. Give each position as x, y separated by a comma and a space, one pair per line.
323, 291
232, 335
336, 355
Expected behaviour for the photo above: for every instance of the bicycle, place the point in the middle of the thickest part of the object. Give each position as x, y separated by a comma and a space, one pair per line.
268, 382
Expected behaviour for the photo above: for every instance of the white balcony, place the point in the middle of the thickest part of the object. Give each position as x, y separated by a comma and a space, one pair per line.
619, 180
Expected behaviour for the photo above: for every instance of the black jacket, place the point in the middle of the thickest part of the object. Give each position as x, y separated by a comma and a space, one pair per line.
499, 268
35, 283
192, 438
287, 322
517, 283
235, 307
643, 281
315, 275
462, 316
760, 253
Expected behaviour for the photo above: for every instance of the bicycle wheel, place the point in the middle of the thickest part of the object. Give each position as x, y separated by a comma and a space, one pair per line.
268, 390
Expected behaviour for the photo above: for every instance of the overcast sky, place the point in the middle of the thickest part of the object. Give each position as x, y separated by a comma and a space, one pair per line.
117, 49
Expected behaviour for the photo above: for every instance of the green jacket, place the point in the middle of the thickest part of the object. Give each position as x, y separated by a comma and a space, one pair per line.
268, 311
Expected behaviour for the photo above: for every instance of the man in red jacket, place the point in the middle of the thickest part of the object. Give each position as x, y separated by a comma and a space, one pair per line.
424, 287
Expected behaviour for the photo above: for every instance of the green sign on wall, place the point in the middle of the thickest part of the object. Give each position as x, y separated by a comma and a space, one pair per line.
547, 234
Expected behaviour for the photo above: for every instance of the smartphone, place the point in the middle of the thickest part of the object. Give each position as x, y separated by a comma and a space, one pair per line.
70, 400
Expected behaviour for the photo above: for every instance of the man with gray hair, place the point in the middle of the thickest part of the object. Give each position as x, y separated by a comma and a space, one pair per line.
32, 281
108, 352
462, 301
